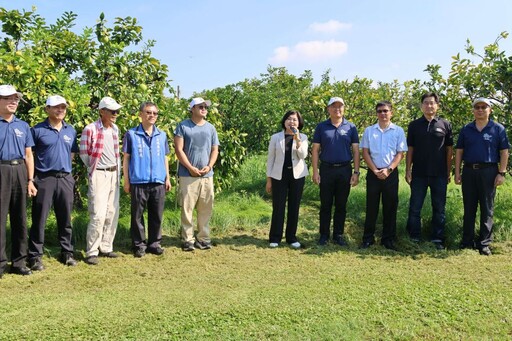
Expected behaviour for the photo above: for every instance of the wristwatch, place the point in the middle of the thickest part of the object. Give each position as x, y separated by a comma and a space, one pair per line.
357, 172
502, 173
390, 169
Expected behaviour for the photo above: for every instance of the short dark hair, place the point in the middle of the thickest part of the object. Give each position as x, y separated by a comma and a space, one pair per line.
147, 104
430, 94
384, 104
288, 114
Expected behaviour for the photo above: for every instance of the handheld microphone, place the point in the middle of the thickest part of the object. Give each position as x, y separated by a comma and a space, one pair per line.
294, 130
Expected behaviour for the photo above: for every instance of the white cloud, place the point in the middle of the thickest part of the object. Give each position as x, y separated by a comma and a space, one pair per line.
309, 51
331, 26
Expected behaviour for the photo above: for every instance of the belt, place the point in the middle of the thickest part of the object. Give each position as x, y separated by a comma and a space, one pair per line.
341, 164
480, 165
54, 173
12, 162
108, 169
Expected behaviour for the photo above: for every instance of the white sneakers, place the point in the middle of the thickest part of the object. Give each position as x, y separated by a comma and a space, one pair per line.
295, 245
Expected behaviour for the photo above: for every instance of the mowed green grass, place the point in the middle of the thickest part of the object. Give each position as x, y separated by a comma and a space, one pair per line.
242, 290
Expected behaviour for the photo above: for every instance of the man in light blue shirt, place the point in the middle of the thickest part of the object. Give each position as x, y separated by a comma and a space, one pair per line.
383, 144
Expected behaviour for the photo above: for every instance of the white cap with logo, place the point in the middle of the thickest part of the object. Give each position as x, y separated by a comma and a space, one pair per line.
335, 99
198, 100
109, 103
8, 90
55, 100
482, 100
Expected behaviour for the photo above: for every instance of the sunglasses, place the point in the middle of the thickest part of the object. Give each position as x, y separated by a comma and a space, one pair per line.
202, 107
113, 112
482, 107
11, 99
148, 112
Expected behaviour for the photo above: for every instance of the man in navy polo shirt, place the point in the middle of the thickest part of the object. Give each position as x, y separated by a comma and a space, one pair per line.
146, 179
335, 144
55, 147
428, 164
383, 147
16, 176
483, 146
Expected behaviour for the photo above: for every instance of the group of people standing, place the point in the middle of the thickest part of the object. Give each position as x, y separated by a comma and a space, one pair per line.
37, 162
482, 152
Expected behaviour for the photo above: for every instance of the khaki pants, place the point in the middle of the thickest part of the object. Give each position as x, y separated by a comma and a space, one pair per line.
103, 212
196, 193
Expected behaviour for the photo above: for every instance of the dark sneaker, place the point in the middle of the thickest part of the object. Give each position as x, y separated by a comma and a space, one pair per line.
188, 246
67, 258
339, 240
109, 254
139, 253
92, 260
202, 245
21, 270
365, 245
438, 245
155, 250
323, 240
485, 251
35, 264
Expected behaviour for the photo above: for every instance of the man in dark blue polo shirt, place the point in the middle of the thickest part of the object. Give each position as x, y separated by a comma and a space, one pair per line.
55, 147
483, 146
428, 164
335, 144
16, 176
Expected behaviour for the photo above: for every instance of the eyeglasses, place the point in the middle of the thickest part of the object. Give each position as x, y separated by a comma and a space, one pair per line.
480, 107
11, 99
202, 107
113, 112
385, 111
151, 112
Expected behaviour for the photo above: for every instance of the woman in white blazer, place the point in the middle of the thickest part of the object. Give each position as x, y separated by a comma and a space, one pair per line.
286, 173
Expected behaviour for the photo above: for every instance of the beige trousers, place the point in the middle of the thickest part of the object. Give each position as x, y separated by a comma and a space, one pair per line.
196, 193
103, 212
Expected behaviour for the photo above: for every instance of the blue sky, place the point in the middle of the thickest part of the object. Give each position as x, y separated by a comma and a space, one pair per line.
212, 43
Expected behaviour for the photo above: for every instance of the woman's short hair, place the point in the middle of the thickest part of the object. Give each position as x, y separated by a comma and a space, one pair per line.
288, 114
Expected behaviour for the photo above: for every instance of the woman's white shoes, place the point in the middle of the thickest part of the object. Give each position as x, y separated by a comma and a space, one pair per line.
273, 245
295, 245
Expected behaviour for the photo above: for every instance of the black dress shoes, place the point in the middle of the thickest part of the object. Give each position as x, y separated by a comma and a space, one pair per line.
21, 270
389, 246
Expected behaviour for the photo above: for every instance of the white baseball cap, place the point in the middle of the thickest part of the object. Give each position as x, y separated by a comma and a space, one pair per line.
335, 99
109, 103
55, 100
198, 100
482, 100
8, 90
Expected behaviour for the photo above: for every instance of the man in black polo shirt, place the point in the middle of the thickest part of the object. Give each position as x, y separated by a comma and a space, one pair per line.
55, 147
335, 144
483, 146
428, 165
16, 176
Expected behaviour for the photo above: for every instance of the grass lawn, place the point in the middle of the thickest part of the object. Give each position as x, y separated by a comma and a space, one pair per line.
243, 290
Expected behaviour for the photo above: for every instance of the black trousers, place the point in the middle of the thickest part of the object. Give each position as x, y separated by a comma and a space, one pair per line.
13, 202
56, 191
375, 190
334, 189
287, 189
152, 197
478, 189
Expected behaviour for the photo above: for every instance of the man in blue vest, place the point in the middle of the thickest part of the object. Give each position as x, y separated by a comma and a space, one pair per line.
16, 180
55, 147
146, 179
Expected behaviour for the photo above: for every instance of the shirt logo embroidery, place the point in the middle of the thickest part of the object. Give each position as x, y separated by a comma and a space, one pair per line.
487, 137
342, 132
67, 139
18, 132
